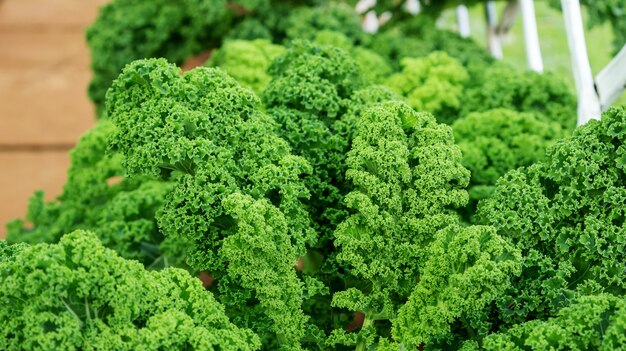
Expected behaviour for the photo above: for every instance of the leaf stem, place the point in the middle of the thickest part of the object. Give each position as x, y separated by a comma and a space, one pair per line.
366, 323
71, 311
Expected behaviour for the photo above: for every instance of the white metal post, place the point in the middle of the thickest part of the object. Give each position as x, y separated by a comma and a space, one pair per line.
494, 41
611, 81
370, 22
531, 36
588, 102
462, 19
364, 5
413, 7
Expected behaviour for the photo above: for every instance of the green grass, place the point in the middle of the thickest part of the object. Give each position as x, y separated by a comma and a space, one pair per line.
552, 37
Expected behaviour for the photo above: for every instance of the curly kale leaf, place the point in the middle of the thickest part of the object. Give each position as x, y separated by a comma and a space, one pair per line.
501, 86
434, 83
126, 30
407, 179
466, 270
9, 251
312, 78
85, 190
209, 135
566, 214
304, 23
256, 252
373, 68
595, 322
247, 61
419, 36
497, 141
97, 197
77, 294
363, 99
309, 95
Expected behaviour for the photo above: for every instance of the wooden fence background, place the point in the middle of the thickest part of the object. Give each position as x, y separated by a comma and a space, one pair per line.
44, 72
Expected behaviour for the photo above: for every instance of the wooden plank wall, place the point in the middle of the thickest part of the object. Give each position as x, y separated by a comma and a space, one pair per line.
44, 72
